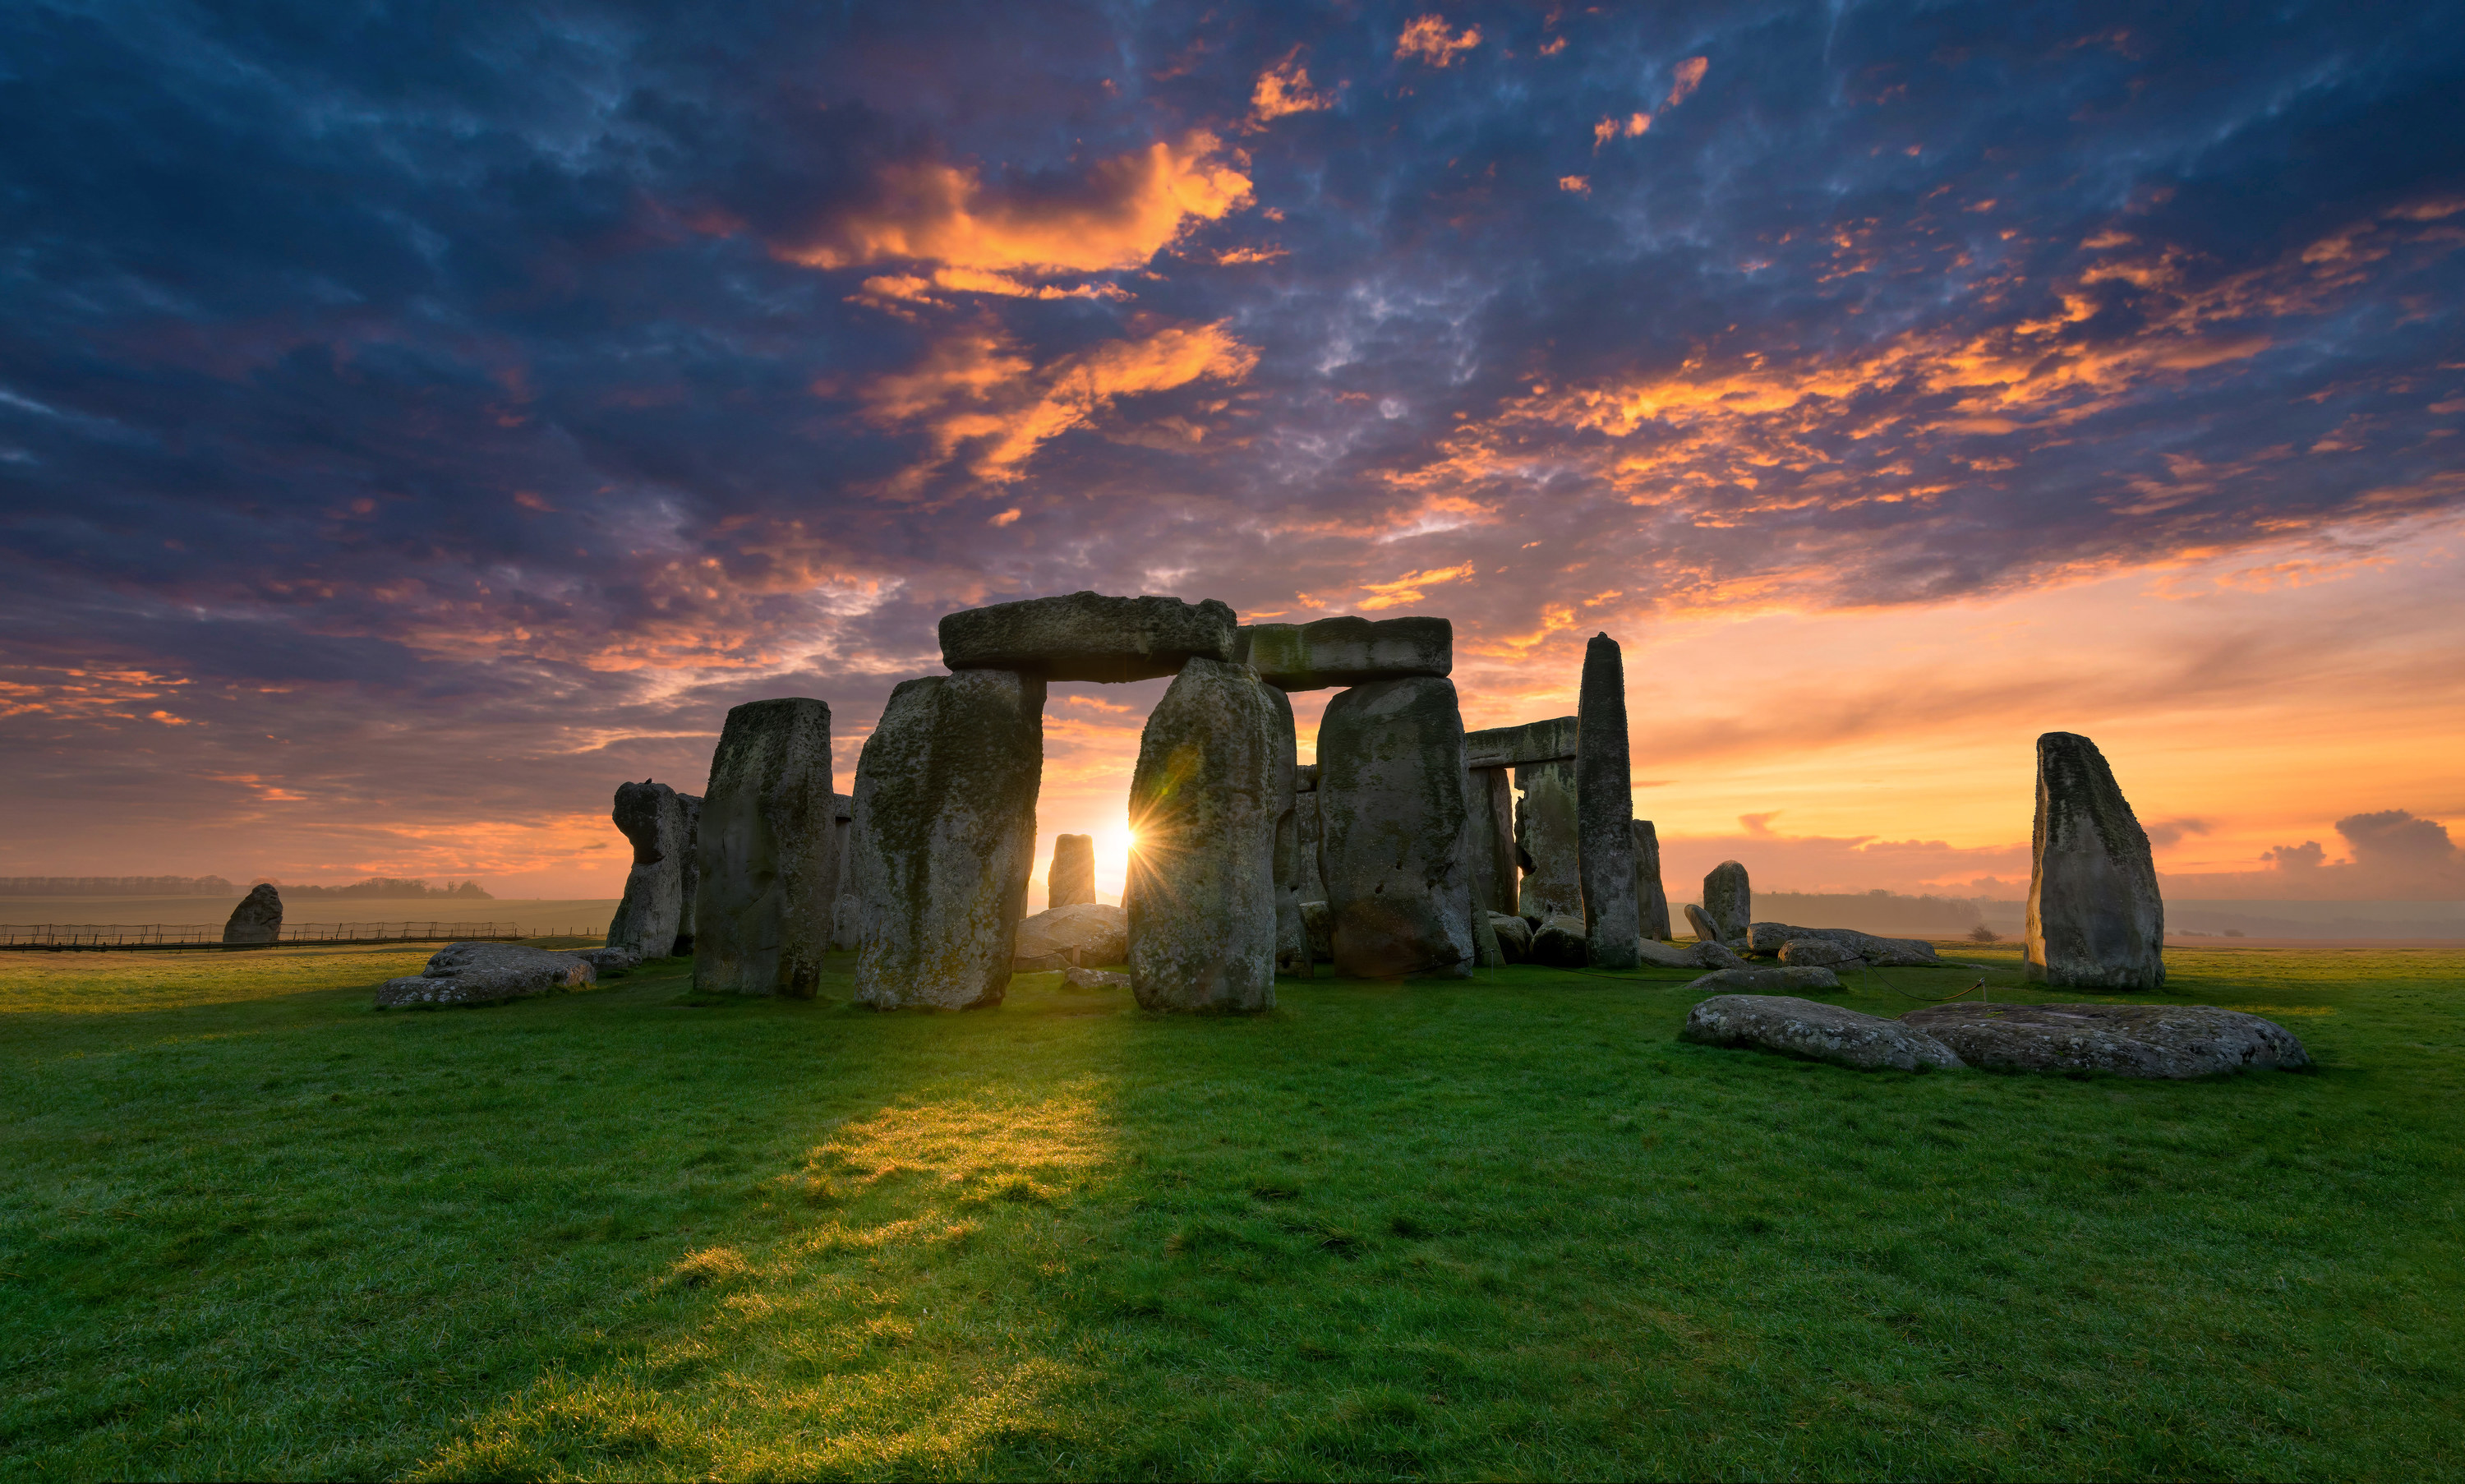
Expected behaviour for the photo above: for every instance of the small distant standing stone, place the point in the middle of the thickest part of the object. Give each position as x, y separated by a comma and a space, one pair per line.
1651, 900
257, 918
1728, 901
2095, 918
1071, 877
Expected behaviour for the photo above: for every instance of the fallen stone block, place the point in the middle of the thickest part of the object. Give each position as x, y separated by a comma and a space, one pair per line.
473, 973
1751, 980
1819, 953
1088, 636
1768, 939
1087, 933
1817, 1031
1340, 651
2160, 1041
607, 961
1073, 977
1561, 942
1514, 937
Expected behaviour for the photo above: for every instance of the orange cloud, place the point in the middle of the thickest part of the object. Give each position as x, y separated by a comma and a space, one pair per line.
1408, 589
1127, 209
1580, 185
1610, 128
1689, 77
1284, 89
1427, 39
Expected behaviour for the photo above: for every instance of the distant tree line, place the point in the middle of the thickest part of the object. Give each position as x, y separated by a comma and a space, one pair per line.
116, 886
390, 888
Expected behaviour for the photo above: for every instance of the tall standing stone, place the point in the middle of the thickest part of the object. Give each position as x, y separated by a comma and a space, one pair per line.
1491, 802
1213, 779
1728, 901
1650, 899
1544, 842
650, 916
762, 918
1392, 813
689, 872
1604, 808
259, 917
1071, 879
847, 915
2096, 921
1291, 935
944, 837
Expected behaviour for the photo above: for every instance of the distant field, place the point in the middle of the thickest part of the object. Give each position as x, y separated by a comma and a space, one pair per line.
1509, 1227
589, 915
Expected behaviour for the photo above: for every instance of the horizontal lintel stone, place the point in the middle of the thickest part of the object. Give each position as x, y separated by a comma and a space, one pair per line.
1552, 740
1349, 651
1089, 636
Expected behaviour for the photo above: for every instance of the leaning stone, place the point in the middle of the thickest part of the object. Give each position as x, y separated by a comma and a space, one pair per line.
259, 917
1392, 813
944, 839
1604, 808
1073, 977
487, 974
1818, 953
1086, 933
1651, 900
1527, 745
1341, 651
1746, 980
1088, 636
1559, 942
605, 963
1728, 902
650, 916
769, 875
1820, 1032
1213, 778
2096, 921
1071, 877
1514, 937
1706, 931
1546, 842
2127, 1040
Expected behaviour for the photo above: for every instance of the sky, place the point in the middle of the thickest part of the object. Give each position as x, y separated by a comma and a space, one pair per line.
416, 419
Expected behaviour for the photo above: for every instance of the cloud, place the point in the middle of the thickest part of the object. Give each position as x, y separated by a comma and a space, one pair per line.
1685, 79
1284, 90
1428, 39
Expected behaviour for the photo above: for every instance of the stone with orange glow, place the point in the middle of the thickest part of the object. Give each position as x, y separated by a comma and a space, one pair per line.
769, 872
944, 838
1546, 845
1071, 879
2096, 921
651, 914
1393, 817
1728, 902
1088, 636
1651, 899
1213, 778
1346, 651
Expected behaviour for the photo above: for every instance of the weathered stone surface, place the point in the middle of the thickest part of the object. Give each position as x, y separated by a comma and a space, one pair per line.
486, 974
944, 837
1306, 778
1514, 936
1087, 933
1650, 899
1728, 901
1705, 930
689, 873
1819, 953
1717, 955
2128, 1040
846, 918
1213, 778
1340, 651
650, 916
1073, 977
1605, 808
1490, 804
1294, 884
605, 963
1559, 942
1805, 1027
1546, 842
1392, 810
1746, 979
1696, 956
259, 917
1527, 745
1088, 636
769, 872
2096, 921
1771, 938
1072, 877
1320, 925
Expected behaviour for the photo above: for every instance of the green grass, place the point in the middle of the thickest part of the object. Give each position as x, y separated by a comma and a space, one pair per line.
1508, 1228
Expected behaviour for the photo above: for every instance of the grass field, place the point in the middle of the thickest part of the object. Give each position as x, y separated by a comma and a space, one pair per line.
1507, 1228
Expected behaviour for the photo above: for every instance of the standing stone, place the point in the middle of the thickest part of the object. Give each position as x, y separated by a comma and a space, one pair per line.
2095, 918
1544, 842
1605, 808
652, 914
257, 918
944, 837
1651, 900
1728, 901
689, 872
1491, 802
1088, 636
1292, 933
1302, 881
1214, 775
1390, 792
769, 874
1705, 931
1071, 879
847, 918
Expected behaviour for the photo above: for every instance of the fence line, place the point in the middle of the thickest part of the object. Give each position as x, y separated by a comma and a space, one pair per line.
98, 937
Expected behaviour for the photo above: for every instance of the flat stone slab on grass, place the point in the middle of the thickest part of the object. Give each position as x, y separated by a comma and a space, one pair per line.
1346, 651
1099, 932
2128, 1040
1088, 636
1817, 1031
1771, 938
1745, 979
486, 974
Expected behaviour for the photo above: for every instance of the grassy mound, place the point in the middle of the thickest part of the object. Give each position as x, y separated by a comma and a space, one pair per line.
1506, 1228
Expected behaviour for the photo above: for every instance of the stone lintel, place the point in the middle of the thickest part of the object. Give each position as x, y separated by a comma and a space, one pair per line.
1533, 742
